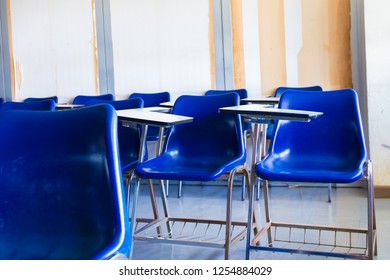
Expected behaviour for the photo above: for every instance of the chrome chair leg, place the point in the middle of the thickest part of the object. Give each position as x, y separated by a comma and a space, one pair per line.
165, 205
179, 189
229, 204
167, 188
133, 214
330, 192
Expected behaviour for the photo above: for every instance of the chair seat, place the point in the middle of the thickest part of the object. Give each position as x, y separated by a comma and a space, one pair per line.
169, 167
307, 170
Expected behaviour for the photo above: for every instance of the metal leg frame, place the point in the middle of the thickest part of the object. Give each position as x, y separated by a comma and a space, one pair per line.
195, 231
344, 242
248, 136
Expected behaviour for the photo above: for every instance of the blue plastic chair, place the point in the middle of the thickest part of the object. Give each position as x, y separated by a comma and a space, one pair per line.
129, 138
151, 100
242, 93
278, 93
246, 126
1, 101
61, 193
330, 149
34, 99
204, 150
45, 105
82, 99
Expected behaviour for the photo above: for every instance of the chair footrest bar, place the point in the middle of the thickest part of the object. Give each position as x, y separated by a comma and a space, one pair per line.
188, 231
320, 240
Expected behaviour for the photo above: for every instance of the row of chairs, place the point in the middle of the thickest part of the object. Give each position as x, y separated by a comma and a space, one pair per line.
205, 150
66, 153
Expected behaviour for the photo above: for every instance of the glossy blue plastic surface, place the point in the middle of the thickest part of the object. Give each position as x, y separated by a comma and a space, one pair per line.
128, 137
34, 99
61, 191
242, 93
151, 100
330, 149
44, 105
204, 149
82, 99
278, 93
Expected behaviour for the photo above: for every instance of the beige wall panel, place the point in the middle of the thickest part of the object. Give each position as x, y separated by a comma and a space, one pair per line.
161, 46
272, 45
340, 56
238, 44
53, 48
325, 57
211, 46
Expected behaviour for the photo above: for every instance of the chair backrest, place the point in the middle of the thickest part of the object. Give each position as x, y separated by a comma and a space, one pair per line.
279, 91
119, 104
212, 137
336, 137
82, 99
242, 93
152, 99
61, 191
34, 99
44, 105
1, 101
129, 137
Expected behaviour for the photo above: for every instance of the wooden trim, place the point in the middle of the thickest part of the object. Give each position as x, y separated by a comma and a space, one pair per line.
238, 44
382, 191
211, 46
11, 51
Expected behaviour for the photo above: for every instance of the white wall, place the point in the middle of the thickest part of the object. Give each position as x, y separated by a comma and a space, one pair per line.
293, 30
54, 48
161, 46
251, 47
378, 85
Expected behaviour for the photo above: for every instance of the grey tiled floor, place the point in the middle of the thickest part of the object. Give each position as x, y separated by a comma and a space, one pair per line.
300, 204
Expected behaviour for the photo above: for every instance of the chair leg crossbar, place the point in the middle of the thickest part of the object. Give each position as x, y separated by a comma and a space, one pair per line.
329, 241
194, 231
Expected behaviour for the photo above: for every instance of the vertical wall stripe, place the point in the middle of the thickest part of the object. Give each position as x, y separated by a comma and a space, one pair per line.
223, 49
272, 45
211, 46
11, 78
104, 47
95, 48
359, 67
218, 45
227, 44
293, 34
325, 57
251, 42
3, 50
238, 44
339, 20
